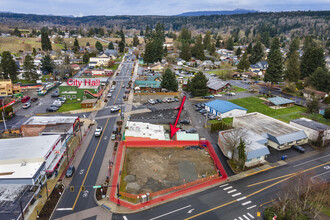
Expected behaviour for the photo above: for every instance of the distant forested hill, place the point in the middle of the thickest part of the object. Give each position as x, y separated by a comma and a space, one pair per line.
299, 22
206, 13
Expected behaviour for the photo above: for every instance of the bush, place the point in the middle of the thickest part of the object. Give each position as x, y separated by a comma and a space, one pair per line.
327, 113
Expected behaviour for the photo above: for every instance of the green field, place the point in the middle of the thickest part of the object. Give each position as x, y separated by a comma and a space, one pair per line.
69, 107
115, 67
253, 104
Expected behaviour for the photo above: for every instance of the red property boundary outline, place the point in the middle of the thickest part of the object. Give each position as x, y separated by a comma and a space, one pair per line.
158, 143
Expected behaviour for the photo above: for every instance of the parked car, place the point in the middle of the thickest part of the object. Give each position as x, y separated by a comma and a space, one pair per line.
25, 99
159, 100
212, 117
209, 97
151, 101
51, 109
109, 95
185, 121
115, 109
197, 109
178, 107
61, 99
55, 95
176, 99
203, 105
27, 105
113, 136
298, 148
57, 103
213, 74
98, 131
203, 111
191, 130
34, 99
123, 86
70, 171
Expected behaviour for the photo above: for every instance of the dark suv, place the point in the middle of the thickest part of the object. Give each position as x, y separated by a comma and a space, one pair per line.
298, 148
70, 171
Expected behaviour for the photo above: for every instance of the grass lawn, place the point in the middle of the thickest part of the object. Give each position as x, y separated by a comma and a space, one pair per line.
115, 67
69, 107
238, 89
253, 104
25, 81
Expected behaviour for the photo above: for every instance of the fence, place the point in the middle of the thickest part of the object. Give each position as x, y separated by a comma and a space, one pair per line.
158, 93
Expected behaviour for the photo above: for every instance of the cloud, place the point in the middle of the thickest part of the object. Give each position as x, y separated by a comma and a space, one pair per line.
152, 7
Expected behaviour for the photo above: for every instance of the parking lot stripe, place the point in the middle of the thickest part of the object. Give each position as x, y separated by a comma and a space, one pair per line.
231, 191
237, 194
228, 188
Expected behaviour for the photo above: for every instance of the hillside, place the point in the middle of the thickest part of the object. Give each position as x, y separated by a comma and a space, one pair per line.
207, 13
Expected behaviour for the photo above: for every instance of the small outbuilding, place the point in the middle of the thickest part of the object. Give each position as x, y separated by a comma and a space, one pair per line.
280, 102
88, 103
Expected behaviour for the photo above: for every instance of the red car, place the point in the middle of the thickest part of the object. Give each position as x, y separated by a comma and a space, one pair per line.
25, 99
178, 107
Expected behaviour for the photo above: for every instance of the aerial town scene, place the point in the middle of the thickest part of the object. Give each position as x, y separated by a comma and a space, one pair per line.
164, 110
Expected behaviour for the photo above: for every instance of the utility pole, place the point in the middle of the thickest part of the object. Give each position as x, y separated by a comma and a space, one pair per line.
3, 115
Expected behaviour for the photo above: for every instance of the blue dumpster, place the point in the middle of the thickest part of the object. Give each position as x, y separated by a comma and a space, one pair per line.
284, 157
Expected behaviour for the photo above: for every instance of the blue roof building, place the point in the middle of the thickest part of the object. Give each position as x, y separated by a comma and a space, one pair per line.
224, 109
281, 102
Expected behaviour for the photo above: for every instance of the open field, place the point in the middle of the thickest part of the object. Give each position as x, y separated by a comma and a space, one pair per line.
15, 44
253, 104
69, 106
156, 169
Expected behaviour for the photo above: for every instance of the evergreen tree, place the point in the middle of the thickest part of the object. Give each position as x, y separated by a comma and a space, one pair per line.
294, 46
91, 32
274, 72
185, 35
211, 49
197, 50
66, 60
85, 58
265, 39
99, 46
17, 32
320, 79
110, 46
169, 81
249, 48
244, 63
45, 42
122, 41
34, 52
154, 50
230, 44
207, 40
141, 32
241, 153
75, 45
238, 52
136, 41
312, 58
8, 66
165, 51
312, 105
29, 68
292, 72
87, 44
148, 32
198, 85
185, 52
218, 43
47, 65
148, 52
257, 53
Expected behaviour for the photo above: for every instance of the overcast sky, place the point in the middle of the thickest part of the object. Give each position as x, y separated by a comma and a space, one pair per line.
153, 7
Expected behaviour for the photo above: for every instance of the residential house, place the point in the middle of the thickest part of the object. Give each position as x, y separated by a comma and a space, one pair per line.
224, 109
102, 60
111, 53
255, 145
217, 85
310, 93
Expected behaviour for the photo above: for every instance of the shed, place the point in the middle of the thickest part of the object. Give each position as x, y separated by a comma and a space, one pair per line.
88, 103
280, 102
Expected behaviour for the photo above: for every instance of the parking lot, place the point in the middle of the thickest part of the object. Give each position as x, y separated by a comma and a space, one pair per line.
276, 155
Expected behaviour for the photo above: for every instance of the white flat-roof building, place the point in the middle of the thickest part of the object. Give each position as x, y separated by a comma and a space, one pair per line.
136, 130
280, 135
26, 160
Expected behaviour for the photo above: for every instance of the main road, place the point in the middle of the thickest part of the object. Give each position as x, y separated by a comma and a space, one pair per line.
90, 164
239, 199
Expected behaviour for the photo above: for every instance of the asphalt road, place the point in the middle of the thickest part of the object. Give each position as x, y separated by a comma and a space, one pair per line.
87, 171
237, 200
278, 92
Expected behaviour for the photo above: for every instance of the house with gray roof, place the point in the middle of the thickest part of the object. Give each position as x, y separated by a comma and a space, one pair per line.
255, 145
280, 135
313, 129
217, 85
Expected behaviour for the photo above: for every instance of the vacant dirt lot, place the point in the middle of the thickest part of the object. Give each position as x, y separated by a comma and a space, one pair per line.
154, 169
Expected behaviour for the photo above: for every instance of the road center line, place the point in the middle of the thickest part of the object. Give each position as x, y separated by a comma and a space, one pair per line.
297, 165
171, 212
239, 199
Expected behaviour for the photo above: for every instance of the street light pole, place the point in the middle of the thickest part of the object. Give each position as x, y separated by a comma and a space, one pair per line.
3, 115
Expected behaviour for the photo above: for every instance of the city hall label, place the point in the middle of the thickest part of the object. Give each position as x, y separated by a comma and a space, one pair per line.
86, 82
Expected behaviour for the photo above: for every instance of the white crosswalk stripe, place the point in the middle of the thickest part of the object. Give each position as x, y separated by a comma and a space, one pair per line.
231, 191
245, 203
227, 188
251, 207
246, 217
239, 199
237, 194
250, 215
223, 185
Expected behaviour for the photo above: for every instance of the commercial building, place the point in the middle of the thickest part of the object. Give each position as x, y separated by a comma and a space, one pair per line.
224, 109
142, 131
26, 160
255, 145
7, 88
280, 135
313, 129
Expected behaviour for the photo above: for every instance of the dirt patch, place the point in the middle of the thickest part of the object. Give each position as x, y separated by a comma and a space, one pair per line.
160, 168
